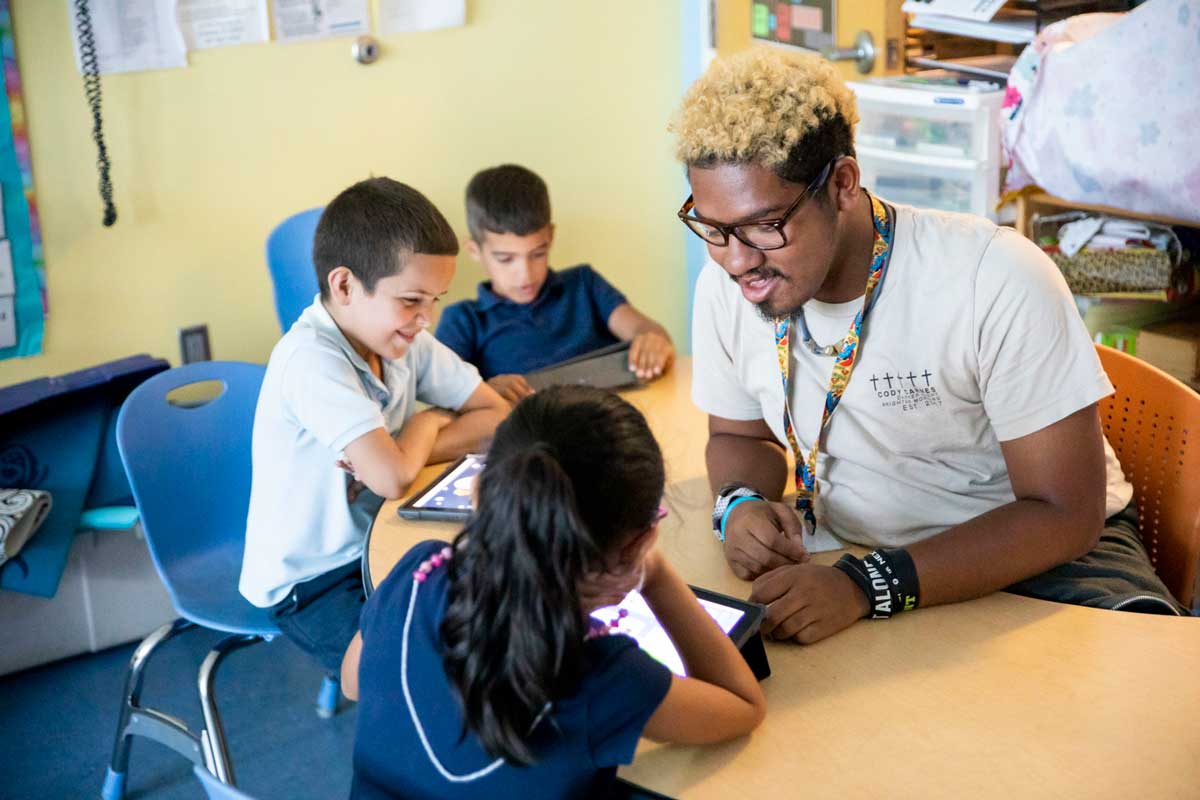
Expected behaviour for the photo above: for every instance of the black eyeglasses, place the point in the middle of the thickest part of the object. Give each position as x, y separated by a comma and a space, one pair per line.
761, 234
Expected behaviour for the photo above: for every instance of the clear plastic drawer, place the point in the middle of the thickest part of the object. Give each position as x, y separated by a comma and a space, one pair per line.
928, 182
929, 123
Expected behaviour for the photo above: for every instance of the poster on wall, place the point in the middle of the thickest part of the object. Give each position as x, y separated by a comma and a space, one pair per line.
223, 23
802, 23
407, 16
23, 305
132, 35
304, 20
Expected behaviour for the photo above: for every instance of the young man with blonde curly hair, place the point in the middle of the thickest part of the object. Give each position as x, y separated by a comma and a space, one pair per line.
928, 371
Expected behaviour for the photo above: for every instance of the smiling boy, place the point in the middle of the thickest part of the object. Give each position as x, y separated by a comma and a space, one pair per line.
342, 386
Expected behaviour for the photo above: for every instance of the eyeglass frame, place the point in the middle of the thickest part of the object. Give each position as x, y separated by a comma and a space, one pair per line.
776, 222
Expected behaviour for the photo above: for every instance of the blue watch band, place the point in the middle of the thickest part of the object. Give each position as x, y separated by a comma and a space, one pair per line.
730, 507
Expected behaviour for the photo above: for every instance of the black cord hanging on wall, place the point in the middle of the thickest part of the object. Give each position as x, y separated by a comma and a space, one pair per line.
91, 88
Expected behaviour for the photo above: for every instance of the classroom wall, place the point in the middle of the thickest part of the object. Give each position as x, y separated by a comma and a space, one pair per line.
207, 159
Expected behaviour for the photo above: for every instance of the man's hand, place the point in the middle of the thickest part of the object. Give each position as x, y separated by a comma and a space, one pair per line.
512, 388
650, 354
761, 536
808, 602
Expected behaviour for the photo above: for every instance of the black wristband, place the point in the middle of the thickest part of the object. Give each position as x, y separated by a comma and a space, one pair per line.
888, 579
906, 586
854, 568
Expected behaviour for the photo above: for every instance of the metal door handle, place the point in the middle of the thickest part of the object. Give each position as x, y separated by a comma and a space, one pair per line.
863, 52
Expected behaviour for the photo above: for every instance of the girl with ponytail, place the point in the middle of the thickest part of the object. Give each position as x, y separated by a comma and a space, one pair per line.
478, 670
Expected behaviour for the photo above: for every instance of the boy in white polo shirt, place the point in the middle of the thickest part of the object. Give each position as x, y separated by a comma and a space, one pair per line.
341, 388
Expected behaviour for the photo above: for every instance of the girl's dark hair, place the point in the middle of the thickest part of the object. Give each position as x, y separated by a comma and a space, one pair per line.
569, 473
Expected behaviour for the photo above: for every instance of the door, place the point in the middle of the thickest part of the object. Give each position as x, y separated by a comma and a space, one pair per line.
739, 21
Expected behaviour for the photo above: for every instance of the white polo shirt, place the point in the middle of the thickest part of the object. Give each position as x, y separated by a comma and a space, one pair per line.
974, 339
318, 396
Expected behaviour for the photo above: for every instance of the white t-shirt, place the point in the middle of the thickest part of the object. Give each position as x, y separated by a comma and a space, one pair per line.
318, 396
974, 339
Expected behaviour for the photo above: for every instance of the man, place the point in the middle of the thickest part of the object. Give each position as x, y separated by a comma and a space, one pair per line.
940, 392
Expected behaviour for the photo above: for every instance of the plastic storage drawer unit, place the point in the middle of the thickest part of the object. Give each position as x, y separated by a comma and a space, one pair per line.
930, 145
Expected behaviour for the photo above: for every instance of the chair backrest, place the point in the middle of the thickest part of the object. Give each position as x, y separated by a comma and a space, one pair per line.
189, 467
215, 789
290, 260
1153, 424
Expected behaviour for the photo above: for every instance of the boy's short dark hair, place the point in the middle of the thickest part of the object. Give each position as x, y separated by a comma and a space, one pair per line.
507, 199
373, 226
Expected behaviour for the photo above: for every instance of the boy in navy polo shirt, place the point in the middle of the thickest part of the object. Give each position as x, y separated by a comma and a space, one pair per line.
529, 316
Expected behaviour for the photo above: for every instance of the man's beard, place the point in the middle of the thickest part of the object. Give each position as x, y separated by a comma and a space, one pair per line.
765, 309
771, 313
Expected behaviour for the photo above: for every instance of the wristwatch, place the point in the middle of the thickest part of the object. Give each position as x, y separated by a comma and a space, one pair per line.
728, 496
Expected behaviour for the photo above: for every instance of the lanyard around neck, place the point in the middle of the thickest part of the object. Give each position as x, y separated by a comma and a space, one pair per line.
883, 219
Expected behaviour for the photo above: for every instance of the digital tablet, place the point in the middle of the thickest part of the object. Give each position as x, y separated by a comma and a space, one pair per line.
449, 496
740, 619
606, 368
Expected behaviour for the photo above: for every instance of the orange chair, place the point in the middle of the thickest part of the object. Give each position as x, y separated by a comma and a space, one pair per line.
1153, 424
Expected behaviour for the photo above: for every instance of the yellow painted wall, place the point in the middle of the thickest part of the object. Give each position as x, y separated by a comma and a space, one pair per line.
207, 159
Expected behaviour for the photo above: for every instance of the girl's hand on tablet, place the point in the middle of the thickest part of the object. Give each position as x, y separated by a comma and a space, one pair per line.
607, 588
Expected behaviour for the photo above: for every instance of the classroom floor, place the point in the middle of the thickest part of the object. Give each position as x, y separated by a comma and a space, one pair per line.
57, 724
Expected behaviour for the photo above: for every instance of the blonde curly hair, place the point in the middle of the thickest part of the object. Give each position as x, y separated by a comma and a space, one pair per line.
764, 107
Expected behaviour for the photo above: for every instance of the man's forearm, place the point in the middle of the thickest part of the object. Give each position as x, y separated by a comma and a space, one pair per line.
757, 462
999, 548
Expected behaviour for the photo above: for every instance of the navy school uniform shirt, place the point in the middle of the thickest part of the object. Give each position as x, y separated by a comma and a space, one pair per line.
578, 745
568, 318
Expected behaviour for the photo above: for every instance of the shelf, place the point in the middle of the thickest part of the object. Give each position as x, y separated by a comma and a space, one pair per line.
1038, 202
979, 66
1017, 27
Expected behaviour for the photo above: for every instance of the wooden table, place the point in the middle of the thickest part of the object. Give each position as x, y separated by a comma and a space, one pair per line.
1002, 697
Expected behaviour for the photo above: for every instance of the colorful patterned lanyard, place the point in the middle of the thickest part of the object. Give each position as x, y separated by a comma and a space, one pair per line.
806, 468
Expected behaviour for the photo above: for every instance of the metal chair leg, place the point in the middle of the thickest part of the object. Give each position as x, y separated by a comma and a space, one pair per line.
137, 721
327, 697
217, 752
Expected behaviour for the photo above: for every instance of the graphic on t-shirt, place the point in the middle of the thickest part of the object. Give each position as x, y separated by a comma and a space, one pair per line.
634, 618
907, 391
456, 489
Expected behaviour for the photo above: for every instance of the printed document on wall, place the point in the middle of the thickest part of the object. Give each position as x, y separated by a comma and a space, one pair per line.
132, 35
301, 20
223, 23
406, 16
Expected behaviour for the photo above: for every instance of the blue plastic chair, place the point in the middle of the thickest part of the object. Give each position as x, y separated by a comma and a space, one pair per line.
290, 260
214, 789
189, 468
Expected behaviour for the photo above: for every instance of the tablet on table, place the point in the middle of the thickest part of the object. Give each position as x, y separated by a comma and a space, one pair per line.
449, 496
606, 368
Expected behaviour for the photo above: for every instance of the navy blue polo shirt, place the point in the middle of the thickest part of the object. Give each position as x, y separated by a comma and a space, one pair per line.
577, 746
568, 318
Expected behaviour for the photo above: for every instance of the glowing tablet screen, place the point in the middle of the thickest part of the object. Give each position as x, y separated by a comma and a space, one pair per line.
454, 490
639, 622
